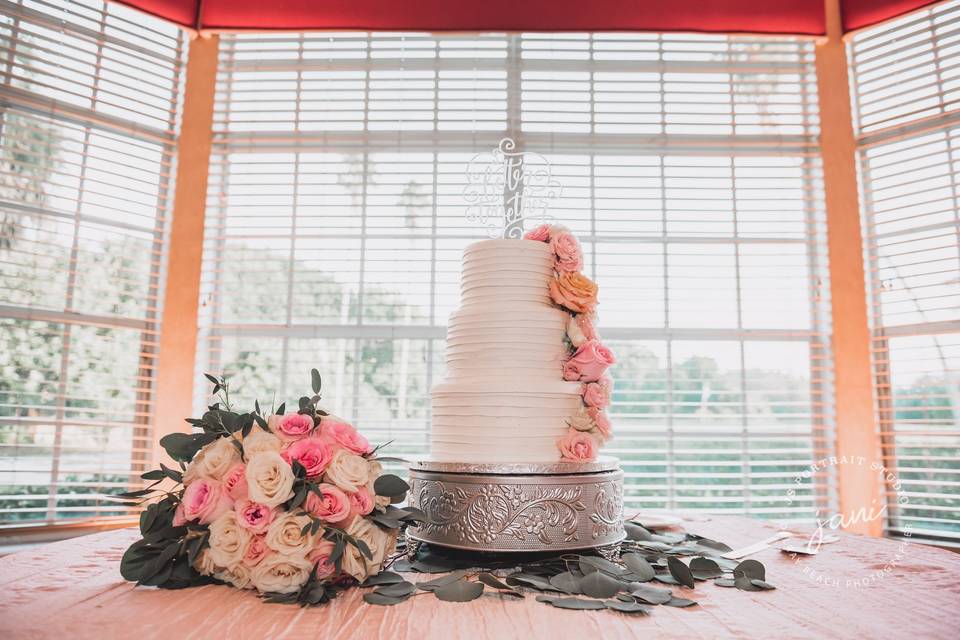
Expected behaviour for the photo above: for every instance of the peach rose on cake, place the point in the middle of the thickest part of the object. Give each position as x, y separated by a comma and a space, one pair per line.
380, 542
269, 479
600, 419
597, 394
574, 291
279, 573
259, 441
253, 516
212, 461
344, 435
283, 534
577, 446
582, 327
588, 363
566, 248
256, 551
348, 471
235, 482
313, 453
228, 540
330, 505
291, 426
204, 500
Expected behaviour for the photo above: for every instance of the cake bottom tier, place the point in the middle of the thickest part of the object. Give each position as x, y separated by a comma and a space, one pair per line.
473, 423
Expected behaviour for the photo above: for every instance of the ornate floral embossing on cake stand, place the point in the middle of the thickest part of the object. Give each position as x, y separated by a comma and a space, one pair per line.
539, 507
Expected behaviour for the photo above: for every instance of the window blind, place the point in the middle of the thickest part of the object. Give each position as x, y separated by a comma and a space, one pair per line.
905, 80
690, 172
87, 125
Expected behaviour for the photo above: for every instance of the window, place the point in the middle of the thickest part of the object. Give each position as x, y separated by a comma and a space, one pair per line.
690, 171
87, 119
906, 85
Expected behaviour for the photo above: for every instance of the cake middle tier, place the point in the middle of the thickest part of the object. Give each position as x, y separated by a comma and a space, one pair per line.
521, 339
507, 420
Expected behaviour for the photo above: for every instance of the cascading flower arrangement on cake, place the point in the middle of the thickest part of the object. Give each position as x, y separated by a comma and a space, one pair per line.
588, 358
294, 505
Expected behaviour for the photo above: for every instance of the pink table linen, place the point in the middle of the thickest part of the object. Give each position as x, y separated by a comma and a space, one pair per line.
73, 589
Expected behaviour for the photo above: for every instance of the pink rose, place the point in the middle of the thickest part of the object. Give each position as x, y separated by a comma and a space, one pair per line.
257, 550
254, 516
540, 234
344, 435
205, 500
292, 426
361, 502
597, 394
567, 249
578, 446
320, 556
600, 419
332, 505
313, 453
588, 363
235, 482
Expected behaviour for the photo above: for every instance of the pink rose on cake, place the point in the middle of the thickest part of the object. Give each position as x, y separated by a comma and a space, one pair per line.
566, 248
204, 500
538, 234
578, 446
574, 291
344, 435
597, 394
582, 327
600, 419
330, 505
313, 453
588, 363
290, 427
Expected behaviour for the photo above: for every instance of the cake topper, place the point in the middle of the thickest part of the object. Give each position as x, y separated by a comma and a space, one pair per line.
506, 186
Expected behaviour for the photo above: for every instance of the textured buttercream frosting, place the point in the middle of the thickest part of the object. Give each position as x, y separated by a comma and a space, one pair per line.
504, 398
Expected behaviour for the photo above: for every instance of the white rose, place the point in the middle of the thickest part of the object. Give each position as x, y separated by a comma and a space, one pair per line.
376, 470
574, 332
283, 535
381, 545
281, 574
348, 471
581, 422
239, 576
259, 441
204, 563
213, 461
228, 540
269, 479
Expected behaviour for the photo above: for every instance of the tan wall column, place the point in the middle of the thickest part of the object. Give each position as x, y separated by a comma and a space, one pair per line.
178, 338
857, 433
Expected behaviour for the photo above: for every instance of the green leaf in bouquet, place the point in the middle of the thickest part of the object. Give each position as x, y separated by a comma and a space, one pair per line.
155, 474
382, 578
305, 405
315, 381
183, 446
212, 378
460, 591
390, 485
281, 409
680, 572
362, 548
262, 422
174, 475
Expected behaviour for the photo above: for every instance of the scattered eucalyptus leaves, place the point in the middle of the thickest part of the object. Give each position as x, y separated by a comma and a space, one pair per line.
572, 581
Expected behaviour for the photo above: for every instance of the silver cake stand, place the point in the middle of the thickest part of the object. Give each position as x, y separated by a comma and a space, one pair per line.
519, 507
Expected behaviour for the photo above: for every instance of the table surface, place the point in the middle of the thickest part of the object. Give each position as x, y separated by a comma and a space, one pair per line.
858, 587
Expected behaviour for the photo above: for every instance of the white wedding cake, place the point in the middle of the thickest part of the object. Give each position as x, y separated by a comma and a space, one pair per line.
509, 395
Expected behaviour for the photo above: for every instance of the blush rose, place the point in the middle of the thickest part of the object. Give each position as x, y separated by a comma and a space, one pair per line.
313, 453
588, 363
330, 505
292, 426
205, 500
578, 446
566, 248
346, 436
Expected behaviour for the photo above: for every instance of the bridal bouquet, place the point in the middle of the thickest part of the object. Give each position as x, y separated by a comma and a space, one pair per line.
292, 504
